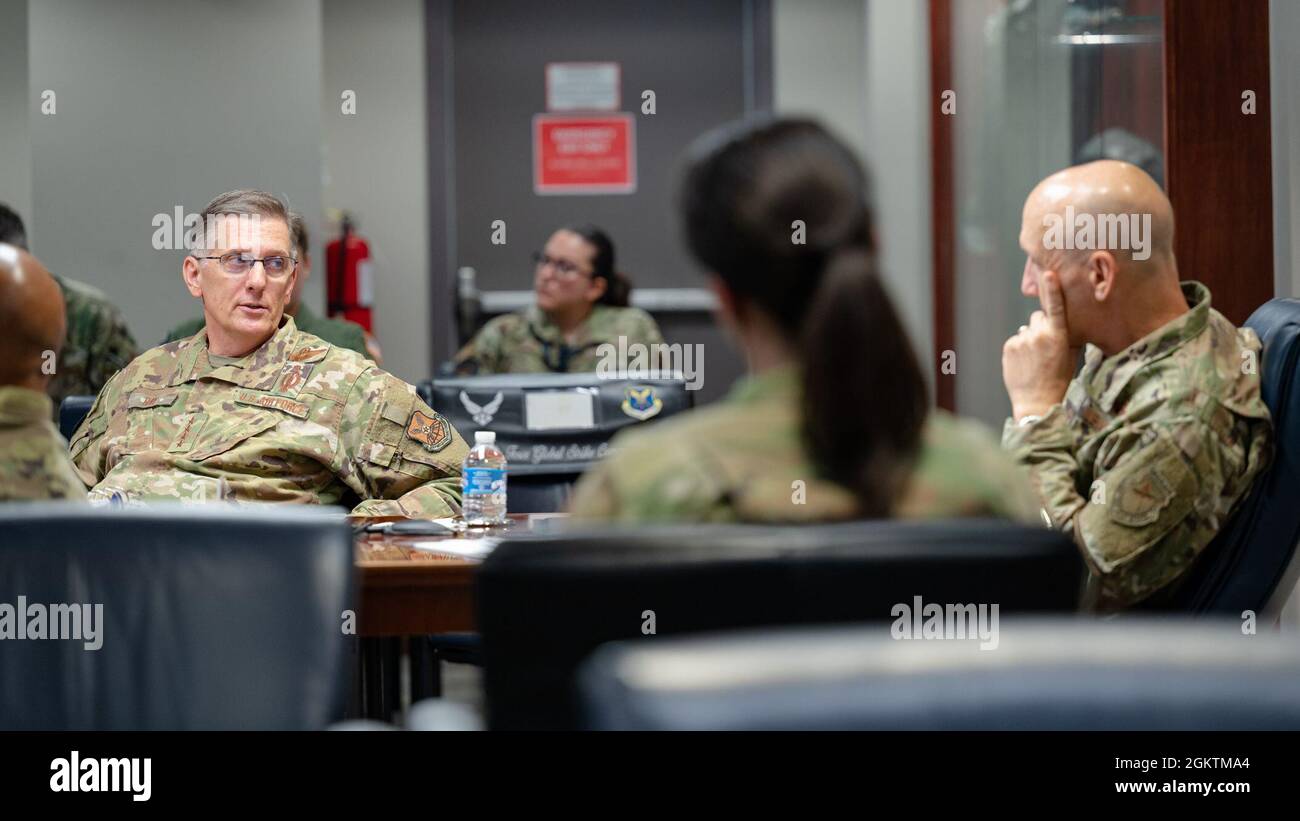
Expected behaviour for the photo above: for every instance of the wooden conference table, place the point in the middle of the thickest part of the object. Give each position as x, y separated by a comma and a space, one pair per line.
409, 587
412, 586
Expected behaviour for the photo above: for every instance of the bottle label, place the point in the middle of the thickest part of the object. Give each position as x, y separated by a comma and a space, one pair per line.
483, 481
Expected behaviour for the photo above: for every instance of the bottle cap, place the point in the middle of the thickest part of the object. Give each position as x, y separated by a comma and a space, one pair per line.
485, 437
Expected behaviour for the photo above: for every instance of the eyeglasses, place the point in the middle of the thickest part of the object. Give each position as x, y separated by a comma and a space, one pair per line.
562, 267
276, 267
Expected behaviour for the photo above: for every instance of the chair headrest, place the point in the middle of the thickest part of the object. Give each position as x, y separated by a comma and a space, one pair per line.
72, 410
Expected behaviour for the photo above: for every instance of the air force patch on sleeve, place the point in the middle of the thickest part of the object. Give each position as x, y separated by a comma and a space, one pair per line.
432, 432
640, 403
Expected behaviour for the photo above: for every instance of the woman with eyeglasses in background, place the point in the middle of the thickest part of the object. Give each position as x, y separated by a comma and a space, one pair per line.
582, 303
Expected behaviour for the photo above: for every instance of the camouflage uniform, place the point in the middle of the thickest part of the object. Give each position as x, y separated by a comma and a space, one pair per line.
33, 456
740, 461
97, 345
297, 420
1151, 449
529, 342
338, 332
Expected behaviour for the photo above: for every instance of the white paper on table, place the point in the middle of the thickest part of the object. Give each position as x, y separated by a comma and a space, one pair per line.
465, 548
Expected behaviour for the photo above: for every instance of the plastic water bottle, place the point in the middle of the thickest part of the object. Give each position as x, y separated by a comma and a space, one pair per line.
483, 482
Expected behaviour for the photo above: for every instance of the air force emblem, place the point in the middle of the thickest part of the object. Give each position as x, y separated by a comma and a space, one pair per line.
482, 414
640, 403
432, 432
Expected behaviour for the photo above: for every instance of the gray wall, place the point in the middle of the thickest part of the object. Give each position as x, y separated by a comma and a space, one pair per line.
819, 64
163, 103
690, 53
898, 150
862, 68
15, 145
375, 163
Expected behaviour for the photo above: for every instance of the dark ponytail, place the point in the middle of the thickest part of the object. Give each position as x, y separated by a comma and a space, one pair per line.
780, 211
864, 397
618, 288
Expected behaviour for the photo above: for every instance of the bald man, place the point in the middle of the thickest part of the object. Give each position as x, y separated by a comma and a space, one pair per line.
34, 461
1144, 454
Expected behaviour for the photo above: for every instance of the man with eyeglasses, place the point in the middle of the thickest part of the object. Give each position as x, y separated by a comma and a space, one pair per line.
341, 332
252, 408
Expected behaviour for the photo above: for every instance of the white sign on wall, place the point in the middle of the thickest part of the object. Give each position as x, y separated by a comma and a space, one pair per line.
583, 86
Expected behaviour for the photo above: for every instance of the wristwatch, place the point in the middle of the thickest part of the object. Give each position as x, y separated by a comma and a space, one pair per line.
1027, 419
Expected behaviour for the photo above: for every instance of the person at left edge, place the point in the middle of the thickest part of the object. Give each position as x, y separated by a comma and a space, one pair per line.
97, 343
253, 408
33, 456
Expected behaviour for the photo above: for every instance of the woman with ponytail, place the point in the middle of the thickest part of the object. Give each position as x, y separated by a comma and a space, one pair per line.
833, 421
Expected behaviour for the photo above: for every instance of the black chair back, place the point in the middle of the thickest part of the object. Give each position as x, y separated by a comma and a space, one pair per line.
203, 617
544, 603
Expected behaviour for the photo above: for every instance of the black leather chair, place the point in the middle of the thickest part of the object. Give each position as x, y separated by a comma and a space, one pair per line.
72, 410
1252, 565
212, 618
544, 603
544, 462
1049, 674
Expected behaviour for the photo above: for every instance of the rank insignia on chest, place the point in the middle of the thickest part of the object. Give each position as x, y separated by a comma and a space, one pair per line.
293, 377
640, 403
432, 432
309, 354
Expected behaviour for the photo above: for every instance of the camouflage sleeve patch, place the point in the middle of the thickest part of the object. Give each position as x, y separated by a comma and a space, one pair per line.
1150, 516
430, 430
398, 454
1137, 503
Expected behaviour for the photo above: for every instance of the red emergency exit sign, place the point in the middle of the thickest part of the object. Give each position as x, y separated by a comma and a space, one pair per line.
584, 154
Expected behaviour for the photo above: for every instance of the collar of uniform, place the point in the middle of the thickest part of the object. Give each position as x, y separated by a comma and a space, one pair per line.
1110, 375
250, 371
548, 331
779, 381
22, 406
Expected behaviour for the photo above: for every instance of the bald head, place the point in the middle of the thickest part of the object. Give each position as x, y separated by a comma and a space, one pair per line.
1099, 206
1107, 231
32, 319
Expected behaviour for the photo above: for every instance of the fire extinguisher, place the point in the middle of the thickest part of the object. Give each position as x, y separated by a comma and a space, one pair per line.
350, 277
